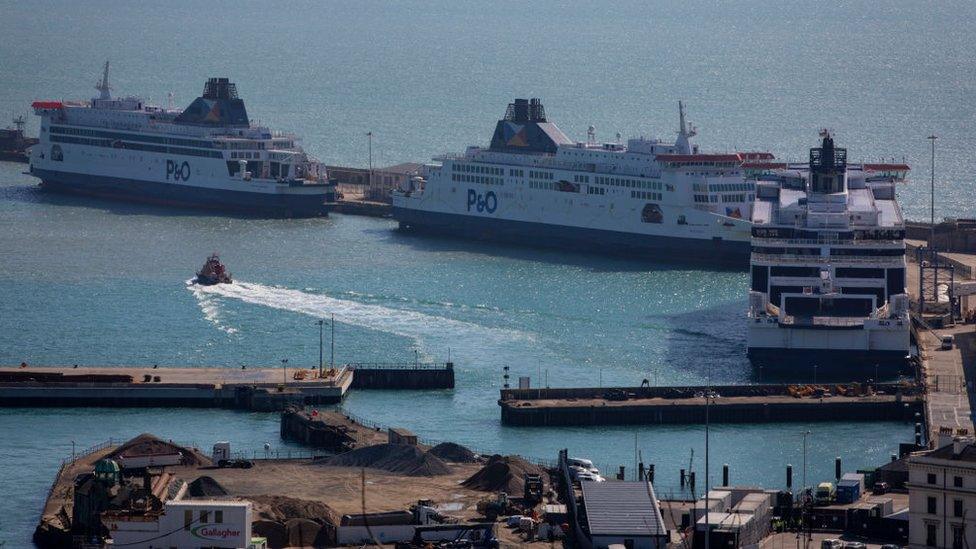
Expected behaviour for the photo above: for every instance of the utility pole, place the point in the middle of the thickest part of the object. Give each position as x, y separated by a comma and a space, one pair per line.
332, 343
320, 323
805, 433
369, 141
932, 138
708, 398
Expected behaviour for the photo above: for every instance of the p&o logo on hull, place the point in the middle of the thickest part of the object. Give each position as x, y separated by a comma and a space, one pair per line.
487, 202
178, 171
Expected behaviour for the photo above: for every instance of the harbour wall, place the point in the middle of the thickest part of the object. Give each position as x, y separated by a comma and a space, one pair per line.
402, 376
728, 404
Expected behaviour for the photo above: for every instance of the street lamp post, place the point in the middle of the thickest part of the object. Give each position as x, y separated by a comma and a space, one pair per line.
284, 371
332, 343
320, 323
805, 434
932, 139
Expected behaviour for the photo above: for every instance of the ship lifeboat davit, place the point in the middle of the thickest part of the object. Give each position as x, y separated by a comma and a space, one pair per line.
213, 272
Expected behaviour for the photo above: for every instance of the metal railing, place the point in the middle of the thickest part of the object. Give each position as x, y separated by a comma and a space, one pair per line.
400, 365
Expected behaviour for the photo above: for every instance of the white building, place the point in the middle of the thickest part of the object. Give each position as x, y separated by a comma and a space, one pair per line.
624, 513
942, 497
185, 524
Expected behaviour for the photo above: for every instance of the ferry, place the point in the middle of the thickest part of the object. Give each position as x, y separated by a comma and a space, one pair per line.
208, 155
533, 185
828, 272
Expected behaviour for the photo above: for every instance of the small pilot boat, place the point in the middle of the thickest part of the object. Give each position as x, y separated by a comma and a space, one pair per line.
213, 272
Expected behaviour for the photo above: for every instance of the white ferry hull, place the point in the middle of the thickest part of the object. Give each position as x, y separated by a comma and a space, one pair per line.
836, 351
185, 196
665, 248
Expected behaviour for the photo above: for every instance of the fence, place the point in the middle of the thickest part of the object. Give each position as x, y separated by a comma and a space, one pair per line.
400, 365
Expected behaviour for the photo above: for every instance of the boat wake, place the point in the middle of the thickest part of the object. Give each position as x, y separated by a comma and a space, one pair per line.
209, 307
418, 326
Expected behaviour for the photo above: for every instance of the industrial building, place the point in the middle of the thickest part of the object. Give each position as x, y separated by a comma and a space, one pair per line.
625, 513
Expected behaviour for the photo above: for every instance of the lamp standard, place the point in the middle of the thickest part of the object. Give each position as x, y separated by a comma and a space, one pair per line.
284, 371
932, 139
320, 322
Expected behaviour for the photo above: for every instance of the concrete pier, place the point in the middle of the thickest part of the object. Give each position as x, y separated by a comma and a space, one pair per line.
328, 430
729, 404
260, 389
402, 375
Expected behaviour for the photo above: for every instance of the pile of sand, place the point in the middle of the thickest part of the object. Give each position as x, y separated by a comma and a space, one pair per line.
503, 474
205, 487
283, 508
402, 459
147, 445
449, 451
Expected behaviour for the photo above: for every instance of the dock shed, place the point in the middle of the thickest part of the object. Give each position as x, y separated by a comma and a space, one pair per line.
398, 435
625, 513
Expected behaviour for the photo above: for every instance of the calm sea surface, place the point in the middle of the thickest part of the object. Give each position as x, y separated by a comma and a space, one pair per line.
90, 282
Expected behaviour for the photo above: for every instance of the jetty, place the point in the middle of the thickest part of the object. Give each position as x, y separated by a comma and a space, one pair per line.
723, 404
258, 389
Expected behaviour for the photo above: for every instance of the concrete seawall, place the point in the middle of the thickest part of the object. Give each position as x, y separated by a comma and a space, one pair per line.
183, 387
403, 376
686, 405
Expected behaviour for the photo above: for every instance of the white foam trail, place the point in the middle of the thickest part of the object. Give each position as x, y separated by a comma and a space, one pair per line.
209, 307
403, 322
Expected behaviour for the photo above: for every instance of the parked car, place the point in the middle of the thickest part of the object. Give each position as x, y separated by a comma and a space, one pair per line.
831, 543
855, 545
881, 488
235, 464
947, 342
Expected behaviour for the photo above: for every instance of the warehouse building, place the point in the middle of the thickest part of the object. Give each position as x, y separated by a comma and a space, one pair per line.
625, 513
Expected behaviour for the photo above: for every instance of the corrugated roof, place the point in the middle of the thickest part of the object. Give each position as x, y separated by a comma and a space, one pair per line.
622, 508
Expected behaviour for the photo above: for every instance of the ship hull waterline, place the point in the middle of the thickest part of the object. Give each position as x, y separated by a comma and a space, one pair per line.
666, 249
184, 196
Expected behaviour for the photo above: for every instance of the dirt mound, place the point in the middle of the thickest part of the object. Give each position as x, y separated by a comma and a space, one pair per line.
205, 487
283, 508
503, 474
273, 531
449, 451
403, 459
148, 445
308, 533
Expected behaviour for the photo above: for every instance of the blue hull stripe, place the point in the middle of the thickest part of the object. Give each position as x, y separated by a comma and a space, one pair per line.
133, 190
669, 249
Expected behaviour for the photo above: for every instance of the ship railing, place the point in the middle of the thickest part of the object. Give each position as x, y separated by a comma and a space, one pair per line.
831, 260
828, 242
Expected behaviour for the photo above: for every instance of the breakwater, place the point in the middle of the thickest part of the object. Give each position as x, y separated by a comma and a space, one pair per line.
402, 375
256, 389
722, 404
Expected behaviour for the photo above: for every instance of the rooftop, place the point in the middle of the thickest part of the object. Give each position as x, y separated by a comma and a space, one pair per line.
622, 508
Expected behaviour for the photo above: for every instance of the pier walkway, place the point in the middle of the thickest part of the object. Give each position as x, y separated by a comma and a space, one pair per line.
262, 389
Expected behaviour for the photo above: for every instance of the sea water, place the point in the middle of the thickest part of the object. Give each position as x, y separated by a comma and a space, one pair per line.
90, 282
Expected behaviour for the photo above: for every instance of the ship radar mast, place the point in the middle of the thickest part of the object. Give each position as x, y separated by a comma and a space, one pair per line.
103, 87
682, 144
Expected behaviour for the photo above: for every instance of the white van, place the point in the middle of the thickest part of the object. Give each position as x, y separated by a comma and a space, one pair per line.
583, 464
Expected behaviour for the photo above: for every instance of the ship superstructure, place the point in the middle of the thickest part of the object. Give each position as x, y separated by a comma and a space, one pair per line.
208, 155
13, 142
533, 185
828, 267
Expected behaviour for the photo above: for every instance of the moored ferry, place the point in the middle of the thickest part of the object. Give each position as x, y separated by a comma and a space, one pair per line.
206, 156
828, 272
647, 198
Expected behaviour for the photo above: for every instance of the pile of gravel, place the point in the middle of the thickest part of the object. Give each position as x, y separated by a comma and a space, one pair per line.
402, 459
503, 474
205, 487
449, 451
